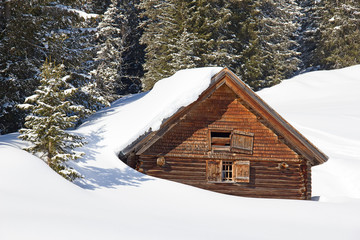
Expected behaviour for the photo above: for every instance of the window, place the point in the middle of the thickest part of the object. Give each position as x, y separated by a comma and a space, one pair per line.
220, 140
234, 141
228, 171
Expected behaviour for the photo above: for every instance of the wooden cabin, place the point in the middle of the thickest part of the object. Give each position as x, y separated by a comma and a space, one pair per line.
229, 141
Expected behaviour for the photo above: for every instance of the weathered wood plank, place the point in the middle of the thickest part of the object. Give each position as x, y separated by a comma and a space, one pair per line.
186, 148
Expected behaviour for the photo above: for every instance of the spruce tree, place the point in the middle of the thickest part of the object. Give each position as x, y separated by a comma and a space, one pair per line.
116, 72
277, 35
34, 31
51, 113
309, 35
215, 38
181, 42
248, 61
21, 52
184, 34
157, 32
339, 44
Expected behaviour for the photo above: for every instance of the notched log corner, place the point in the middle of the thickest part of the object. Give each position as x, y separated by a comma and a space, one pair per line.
129, 159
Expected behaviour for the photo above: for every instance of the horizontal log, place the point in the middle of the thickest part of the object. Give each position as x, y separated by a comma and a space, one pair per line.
261, 178
174, 173
255, 190
220, 141
203, 158
276, 185
202, 165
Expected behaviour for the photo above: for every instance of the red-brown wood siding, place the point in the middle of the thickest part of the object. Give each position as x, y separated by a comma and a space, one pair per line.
186, 150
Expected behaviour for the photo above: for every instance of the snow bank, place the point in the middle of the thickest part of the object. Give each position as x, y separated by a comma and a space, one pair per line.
112, 129
324, 106
130, 117
116, 202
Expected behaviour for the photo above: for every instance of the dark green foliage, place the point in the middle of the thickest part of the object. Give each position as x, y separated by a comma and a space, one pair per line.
20, 54
330, 34
40, 29
157, 17
277, 26
119, 57
31, 34
339, 44
51, 113
262, 41
244, 25
309, 35
253, 38
185, 34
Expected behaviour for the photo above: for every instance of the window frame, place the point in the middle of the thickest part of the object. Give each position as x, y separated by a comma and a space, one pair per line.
248, 138
240, 171
218, 148
227, 171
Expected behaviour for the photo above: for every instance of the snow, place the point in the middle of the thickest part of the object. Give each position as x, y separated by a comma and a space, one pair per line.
147, 110
82, 14
113, 201
32, 98
324, 106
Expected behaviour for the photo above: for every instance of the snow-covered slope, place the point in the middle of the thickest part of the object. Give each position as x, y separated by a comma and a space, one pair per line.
116, 202
325, 107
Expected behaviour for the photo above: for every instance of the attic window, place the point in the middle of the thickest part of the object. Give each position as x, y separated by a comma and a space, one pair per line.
220, 140
234, 141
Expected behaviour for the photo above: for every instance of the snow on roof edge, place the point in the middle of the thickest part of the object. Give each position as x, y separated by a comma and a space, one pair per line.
165, 99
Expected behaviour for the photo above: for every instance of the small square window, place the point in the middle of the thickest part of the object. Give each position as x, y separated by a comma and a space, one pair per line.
220, 140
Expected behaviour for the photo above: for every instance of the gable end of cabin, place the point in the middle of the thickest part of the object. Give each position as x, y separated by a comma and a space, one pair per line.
222, 143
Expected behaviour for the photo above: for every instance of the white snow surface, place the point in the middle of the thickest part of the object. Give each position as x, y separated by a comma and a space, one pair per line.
113, 201
81, 13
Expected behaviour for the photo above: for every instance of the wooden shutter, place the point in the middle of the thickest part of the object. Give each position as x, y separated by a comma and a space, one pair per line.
213, 171
242, 142
241, 171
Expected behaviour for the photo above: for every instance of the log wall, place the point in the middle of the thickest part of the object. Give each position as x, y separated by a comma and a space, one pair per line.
186, 150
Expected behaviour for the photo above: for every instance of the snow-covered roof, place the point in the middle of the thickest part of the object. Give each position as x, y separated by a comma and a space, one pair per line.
149, 109
292, 136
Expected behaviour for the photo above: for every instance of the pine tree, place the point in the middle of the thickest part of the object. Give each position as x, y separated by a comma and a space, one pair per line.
277, 34
116, 72
34, 31
248, 61
51, 113
21, 52
215, 38
157, 26
339, 44
309, 35
184, 34
181, 44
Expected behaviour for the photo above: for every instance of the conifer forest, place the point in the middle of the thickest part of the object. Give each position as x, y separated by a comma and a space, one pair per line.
100, 50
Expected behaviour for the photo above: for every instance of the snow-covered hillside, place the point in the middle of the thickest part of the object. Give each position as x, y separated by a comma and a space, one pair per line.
116, 202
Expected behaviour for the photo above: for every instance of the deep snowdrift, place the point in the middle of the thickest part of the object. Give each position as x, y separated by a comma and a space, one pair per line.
324, 106
115, 202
